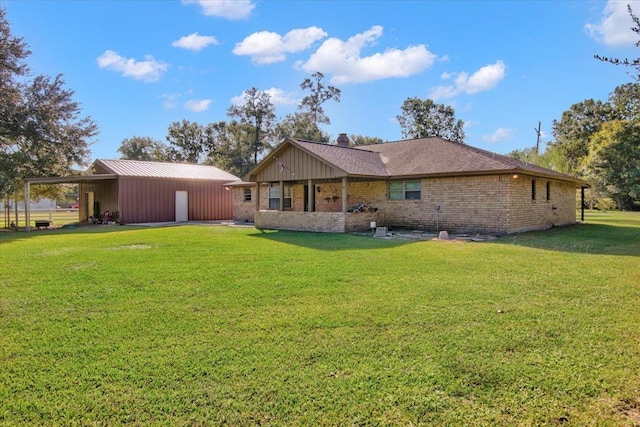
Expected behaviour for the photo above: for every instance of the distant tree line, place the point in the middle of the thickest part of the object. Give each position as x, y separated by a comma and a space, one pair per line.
600, 142
237, 144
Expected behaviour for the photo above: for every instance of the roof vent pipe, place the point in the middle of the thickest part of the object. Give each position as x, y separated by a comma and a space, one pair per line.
343, 140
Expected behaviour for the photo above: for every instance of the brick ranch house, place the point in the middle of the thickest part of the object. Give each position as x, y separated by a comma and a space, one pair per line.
427, 184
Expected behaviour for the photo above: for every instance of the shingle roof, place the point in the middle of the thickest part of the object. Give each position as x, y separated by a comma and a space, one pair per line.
350, 160
413, 158
437, 156
136, 168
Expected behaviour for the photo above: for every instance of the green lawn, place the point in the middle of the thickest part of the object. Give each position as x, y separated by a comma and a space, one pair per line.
212, 325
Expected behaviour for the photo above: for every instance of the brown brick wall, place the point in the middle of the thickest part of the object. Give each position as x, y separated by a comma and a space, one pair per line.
492, 203
301, 221
526, 213
243, 211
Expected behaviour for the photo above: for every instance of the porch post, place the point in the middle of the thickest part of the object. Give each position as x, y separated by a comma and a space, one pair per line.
344, 194
310, 196
582, 204
257, 208
281, 195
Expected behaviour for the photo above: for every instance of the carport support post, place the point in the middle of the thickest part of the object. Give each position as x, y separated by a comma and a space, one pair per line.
27, 213
344, 194
582, 204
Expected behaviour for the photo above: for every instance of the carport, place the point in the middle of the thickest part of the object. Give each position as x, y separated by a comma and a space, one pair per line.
58, 180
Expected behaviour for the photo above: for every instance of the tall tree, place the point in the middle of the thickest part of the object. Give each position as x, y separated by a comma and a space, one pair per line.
258, 112
633, 63
320, 93
625, 101
424, 119
13, 54
613, 162
143, 148
187, 141
299, 125
577, 125
231, 148
41, 130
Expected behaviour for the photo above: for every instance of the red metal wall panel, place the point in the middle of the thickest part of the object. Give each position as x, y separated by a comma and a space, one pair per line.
153, 200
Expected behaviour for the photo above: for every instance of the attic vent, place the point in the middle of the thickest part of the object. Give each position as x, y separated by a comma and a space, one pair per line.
343, 140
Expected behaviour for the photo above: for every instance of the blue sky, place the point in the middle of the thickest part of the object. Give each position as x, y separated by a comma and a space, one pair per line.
138, 66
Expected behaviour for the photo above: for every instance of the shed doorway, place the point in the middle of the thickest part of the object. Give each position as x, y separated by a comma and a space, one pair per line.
90, 210
182, 206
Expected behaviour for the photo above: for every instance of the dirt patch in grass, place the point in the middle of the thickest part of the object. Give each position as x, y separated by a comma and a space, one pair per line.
630, 408
134, 246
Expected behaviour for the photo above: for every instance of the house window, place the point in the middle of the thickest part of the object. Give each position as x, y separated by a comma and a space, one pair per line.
247, 194
287, 197
404, 190
274, 198
533, 189
548, 190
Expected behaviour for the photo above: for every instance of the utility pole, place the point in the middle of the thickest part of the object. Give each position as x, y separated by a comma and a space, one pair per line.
538, 139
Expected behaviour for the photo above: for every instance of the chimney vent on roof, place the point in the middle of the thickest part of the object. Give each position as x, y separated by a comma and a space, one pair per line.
343, 140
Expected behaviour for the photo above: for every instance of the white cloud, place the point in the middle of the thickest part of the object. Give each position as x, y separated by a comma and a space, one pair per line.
501, 134
482, 80
265, 47
149, 70
197, 105
169, 100
228, 9
615, 27
344, 61
278, 98
194, 42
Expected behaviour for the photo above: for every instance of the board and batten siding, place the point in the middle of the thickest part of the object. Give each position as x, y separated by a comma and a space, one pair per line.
299, 165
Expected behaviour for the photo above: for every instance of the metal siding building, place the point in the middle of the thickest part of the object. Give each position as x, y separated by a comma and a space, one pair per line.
148, 192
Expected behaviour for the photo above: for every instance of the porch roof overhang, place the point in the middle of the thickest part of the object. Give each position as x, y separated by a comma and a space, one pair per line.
70, 179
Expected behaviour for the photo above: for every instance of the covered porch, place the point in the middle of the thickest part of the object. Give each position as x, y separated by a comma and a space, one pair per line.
323, 205
310, 187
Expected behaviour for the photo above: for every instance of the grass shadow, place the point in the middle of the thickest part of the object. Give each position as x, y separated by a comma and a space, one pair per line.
328, 241
590, 238
7, 236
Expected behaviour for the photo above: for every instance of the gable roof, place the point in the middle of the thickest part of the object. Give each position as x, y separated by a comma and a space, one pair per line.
137, 168
409, 158
438, 156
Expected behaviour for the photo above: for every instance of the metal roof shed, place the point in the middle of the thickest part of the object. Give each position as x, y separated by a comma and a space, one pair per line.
157, 192
140, 191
